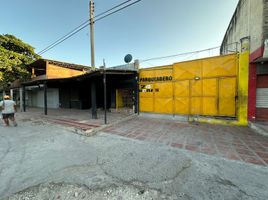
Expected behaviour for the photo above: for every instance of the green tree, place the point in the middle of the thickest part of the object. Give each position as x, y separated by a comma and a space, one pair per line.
14, 56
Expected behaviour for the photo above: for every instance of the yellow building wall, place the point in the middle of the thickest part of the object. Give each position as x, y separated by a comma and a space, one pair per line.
200, 87
119, 99
243, 74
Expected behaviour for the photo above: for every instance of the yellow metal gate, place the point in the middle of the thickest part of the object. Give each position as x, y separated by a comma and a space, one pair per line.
200, 87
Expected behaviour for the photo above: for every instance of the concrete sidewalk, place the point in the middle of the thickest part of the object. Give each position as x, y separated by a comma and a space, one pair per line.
260, 127
231, 142
34, 153
77, 119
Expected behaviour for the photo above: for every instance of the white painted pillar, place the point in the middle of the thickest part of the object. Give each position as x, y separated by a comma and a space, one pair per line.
11, 94
21, 100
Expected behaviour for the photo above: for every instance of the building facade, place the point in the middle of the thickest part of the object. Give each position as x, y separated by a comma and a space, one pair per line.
212, 90
250, 22
56, 84
44, 70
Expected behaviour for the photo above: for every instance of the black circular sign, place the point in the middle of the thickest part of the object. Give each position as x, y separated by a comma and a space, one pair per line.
128, 58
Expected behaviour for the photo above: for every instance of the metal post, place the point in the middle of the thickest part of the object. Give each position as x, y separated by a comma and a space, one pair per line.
104, 90
45, 97
11, 94
137, 109
93, 100
91, 18
23, 98
137, 87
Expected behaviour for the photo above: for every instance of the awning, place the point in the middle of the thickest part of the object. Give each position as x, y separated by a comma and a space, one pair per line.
260, 60
95, 73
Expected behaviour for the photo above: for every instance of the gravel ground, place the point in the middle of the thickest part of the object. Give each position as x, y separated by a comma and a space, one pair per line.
76, 192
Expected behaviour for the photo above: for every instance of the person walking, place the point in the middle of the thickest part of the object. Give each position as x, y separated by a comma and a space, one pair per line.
8, 108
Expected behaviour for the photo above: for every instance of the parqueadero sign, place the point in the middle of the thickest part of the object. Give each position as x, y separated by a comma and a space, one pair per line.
153, 79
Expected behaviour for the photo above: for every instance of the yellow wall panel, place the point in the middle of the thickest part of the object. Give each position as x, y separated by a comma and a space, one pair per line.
146, 74
119, 99
163, 105
196, 105
220, 66
146, 105
163, 72
209, 106
146, 90
182, 105
227, 93
163, 90
181, 88
187, 70
196, 88
174, 89
210, 87
227, 106
227, 87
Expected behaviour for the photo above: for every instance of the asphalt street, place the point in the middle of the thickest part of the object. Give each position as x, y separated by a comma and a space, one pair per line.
37, 153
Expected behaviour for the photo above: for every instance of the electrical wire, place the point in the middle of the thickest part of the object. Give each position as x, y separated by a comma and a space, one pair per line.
117, 10
113, 8
44, 50
187, 58
63, 39
176, 55
191, 54
85, 24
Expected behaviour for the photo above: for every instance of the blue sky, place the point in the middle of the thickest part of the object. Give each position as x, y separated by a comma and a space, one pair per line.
151, 28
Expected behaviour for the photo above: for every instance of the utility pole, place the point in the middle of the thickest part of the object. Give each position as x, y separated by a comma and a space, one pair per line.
93, 83
104, 92
91, 18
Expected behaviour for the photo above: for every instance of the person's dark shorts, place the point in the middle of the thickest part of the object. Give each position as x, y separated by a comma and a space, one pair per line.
7, 116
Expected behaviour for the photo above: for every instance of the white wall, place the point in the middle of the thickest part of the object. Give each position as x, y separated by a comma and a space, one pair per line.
247, 21
36, 98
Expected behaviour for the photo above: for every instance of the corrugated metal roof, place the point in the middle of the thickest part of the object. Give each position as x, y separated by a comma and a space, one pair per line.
63, 64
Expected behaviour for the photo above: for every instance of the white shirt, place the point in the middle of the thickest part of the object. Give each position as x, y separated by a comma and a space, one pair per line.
7, 106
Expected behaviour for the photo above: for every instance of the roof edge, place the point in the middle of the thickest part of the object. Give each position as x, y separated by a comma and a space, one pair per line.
63, 64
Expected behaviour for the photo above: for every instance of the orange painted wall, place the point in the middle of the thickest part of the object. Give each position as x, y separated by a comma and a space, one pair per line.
54, 71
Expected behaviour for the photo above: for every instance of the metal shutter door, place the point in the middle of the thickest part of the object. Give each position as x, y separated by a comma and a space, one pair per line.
262, 98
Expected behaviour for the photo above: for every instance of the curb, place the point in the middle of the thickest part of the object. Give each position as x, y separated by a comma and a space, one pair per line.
258, 129
94, 131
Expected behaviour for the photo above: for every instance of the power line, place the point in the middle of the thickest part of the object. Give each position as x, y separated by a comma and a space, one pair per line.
44, 50
187, 58
117, 10
176, 55
63, 39
192, 52
85, 24
113, 8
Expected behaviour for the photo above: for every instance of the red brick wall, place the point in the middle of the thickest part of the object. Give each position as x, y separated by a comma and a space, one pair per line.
262, 114
252, 83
